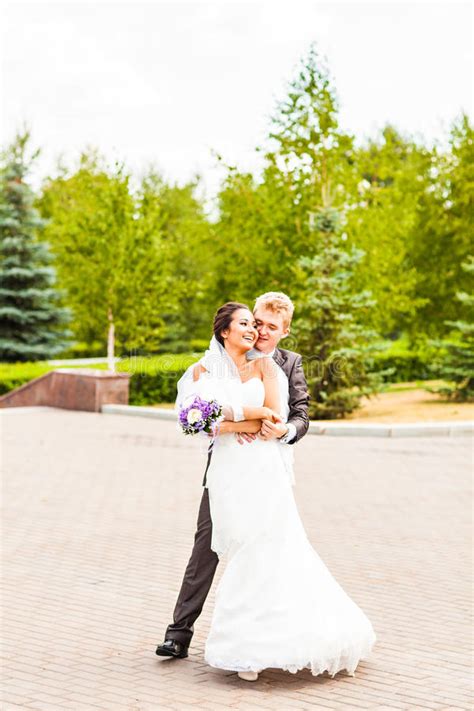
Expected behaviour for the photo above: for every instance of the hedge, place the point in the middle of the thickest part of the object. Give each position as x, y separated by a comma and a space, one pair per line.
153, 380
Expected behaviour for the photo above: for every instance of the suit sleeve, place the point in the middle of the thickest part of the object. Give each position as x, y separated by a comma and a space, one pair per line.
299, 399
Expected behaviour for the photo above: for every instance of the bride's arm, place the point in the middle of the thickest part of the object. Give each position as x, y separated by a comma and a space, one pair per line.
261, 413
197, 371
249, 426
267, 370
270, 381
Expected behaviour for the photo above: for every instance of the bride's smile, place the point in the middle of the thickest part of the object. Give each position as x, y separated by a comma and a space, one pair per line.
242, 333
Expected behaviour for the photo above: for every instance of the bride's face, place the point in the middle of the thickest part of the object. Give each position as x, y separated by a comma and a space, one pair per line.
242, 332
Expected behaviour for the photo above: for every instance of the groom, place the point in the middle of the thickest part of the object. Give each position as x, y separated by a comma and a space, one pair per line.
273, 312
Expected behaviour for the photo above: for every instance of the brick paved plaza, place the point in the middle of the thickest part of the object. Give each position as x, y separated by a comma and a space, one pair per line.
98, 520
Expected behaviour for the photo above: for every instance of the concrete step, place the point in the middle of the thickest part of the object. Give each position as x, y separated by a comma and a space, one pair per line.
343, 429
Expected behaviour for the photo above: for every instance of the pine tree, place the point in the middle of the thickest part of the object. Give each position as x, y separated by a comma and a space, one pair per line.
31, 320
339, 350
456, 363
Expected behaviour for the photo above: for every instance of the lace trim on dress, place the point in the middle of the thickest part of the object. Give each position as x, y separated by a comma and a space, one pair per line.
344, 662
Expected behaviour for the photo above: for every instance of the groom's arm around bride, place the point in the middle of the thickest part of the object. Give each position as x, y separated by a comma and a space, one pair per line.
273, 312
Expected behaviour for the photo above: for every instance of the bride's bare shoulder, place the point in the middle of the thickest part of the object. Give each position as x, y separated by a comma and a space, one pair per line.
198, 370
265, 366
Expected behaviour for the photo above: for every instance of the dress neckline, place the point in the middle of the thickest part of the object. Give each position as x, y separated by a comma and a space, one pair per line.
254, 377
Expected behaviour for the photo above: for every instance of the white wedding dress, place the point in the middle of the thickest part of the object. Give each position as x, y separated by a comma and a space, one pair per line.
277, 605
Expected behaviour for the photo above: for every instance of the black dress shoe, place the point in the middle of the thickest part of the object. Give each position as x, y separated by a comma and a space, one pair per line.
170, 648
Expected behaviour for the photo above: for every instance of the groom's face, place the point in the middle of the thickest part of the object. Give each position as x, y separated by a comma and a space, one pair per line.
271, 328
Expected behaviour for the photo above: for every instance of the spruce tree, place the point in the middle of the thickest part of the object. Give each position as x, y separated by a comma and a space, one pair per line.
31, 319
339, 350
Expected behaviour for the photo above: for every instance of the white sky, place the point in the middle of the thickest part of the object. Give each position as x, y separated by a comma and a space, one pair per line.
169, 82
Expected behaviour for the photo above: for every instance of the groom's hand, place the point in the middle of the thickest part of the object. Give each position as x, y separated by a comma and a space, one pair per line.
272, 430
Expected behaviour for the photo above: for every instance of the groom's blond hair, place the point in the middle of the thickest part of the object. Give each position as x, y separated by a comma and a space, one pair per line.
278, 302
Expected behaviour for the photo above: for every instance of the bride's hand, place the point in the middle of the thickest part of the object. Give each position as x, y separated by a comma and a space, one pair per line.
271, 415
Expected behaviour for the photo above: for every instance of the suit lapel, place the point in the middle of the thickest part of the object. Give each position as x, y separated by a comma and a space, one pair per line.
279, 358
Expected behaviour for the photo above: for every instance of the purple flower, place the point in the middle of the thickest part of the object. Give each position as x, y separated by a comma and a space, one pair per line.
199, 416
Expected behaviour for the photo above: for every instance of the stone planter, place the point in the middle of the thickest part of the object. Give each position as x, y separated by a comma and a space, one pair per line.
72, 389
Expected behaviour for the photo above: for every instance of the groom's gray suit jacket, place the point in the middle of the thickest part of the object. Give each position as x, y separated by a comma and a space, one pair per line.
292, 365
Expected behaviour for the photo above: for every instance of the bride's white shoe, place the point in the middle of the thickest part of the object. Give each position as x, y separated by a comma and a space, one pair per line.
248, 676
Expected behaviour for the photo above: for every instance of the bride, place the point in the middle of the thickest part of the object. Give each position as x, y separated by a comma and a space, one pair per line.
276, 605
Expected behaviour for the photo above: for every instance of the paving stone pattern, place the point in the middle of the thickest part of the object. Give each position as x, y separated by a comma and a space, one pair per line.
98, 519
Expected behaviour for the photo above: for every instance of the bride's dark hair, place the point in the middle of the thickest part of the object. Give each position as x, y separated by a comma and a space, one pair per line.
223, 318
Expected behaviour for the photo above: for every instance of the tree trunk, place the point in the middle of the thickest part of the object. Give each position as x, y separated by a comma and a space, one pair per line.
111, 342
325, 184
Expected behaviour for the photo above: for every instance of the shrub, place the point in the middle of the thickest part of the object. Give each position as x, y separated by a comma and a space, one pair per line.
408, 362
153, 380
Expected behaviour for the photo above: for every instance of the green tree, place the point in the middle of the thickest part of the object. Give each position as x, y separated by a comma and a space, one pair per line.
308, 148
266, 223
444, 232
174, 215
456, 365
339, 350
32, 322
313, 159
108, 257
284, 231
255, 239
383, 221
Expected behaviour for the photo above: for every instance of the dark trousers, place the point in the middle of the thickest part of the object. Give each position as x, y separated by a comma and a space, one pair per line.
197, 579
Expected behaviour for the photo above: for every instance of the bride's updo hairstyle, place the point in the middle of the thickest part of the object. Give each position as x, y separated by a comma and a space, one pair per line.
223, 318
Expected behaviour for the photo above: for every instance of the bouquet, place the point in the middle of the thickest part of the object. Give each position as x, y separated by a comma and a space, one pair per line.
200, 416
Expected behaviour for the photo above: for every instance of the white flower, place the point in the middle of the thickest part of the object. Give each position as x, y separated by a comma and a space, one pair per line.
194, 415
